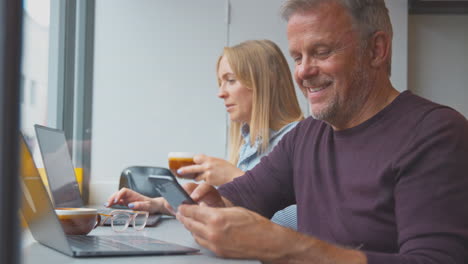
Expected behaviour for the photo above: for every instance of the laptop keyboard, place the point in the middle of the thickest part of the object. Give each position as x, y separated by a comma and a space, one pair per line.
118, 243
94, 243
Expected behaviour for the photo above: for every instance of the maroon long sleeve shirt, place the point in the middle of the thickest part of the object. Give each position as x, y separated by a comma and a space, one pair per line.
395, 186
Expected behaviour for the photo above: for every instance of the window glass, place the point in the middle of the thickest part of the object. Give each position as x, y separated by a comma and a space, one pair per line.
34, 68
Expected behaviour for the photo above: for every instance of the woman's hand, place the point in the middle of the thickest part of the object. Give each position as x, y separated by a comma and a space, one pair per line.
137, 201
214, 171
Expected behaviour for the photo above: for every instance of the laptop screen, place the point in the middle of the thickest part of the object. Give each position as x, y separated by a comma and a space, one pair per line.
36, 208
59, 168
46, 228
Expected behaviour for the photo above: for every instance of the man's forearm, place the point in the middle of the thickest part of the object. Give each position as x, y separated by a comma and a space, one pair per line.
294, 247
289, 246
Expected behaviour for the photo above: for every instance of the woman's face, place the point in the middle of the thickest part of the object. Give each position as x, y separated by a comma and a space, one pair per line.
237, 97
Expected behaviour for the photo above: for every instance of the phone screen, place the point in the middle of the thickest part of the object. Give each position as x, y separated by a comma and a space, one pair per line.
171, 190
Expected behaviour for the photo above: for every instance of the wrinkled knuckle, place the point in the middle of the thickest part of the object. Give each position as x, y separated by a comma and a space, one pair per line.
214, 237
217, 220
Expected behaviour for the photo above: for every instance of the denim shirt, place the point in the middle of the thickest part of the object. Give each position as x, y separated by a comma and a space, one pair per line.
249, 155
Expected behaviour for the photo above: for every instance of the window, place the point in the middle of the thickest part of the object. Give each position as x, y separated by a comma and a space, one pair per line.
56, 68
34, 68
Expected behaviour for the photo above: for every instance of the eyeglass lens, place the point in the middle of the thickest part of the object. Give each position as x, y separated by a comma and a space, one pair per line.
140, 221
120, 222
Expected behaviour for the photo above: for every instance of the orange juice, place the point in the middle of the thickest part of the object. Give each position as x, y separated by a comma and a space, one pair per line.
180, 159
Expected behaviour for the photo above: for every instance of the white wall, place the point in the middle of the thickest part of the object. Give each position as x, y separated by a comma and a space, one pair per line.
155, 83
399, 16
438, 59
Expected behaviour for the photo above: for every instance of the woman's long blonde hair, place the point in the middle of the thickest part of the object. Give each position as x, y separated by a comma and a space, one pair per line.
261, 66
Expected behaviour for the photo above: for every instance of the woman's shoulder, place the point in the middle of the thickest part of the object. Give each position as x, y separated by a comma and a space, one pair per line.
297, 124
275, 136
288, 127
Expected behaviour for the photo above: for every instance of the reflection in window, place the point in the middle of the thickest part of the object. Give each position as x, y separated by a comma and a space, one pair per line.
38, 10
22, 88
34, 66
32, 93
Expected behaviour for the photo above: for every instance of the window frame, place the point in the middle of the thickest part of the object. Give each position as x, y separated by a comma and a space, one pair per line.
10, 52
71, 55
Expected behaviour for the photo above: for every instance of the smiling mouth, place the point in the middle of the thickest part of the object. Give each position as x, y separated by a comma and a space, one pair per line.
314, 90
317, 88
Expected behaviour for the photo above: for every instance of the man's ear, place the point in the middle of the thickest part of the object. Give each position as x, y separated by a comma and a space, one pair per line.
380, 47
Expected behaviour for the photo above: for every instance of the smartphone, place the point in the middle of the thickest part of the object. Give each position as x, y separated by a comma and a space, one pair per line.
170, 189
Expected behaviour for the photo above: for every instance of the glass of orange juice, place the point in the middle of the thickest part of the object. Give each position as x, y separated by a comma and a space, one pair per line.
178, 160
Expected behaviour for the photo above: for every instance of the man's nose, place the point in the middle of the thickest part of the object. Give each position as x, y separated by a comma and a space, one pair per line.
307, 69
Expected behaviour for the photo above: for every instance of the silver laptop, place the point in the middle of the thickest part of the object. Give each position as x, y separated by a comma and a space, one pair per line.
59, 168
61, 174
47, 230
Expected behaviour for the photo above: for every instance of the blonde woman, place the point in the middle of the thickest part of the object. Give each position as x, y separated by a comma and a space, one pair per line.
258, 92
257, 88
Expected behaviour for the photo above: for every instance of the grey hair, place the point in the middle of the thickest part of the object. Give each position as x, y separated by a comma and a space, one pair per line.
369, 16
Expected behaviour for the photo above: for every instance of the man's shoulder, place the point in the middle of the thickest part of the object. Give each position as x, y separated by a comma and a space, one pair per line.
444, 119
424, 110
412, 103
427, 121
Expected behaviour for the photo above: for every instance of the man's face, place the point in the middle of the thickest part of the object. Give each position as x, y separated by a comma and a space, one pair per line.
329, 62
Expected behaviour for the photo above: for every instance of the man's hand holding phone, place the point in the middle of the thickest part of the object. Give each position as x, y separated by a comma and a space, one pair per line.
205, 193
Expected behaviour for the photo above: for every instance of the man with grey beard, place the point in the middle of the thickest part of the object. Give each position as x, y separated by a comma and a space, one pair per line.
378, 176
